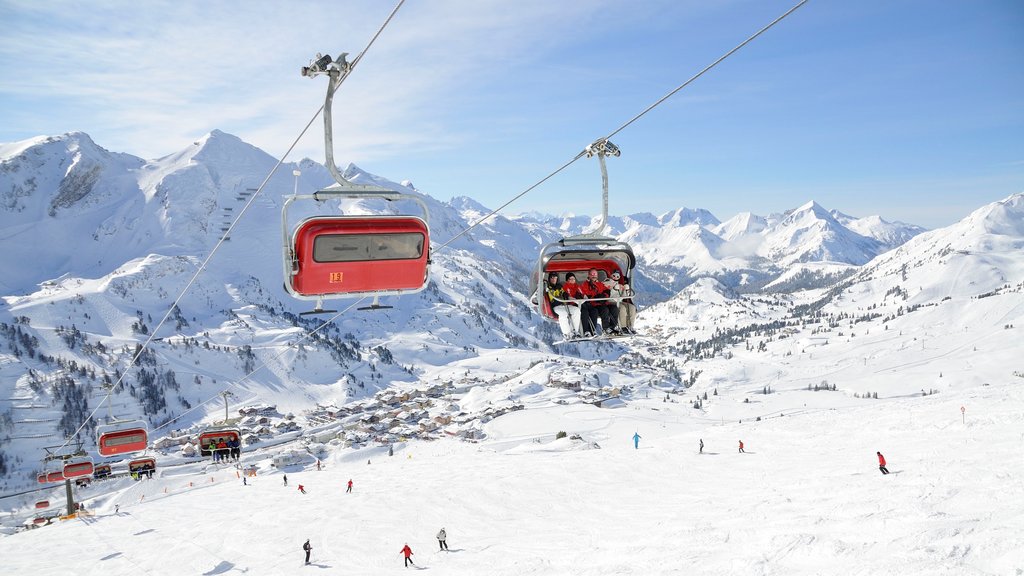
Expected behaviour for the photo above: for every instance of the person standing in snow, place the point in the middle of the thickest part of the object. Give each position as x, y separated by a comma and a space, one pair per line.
302, 489
741, 447
391, 450
308, 549
636, 441
349, 489
701, 446
285, 479
441, 537
317, 464
881, 463
408, 555
244, 481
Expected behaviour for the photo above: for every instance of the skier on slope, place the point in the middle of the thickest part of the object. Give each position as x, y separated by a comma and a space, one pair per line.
408, 555
285, 479
349, 489
741, 446
636, 441
441, 537
302, 489
701, 445
308, 548
881, 463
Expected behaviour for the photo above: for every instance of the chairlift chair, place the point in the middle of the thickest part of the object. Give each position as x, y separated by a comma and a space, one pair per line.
42, 504
77, 468
101, 471
141, 465
216, 434
328, 257
579, 254
121, 438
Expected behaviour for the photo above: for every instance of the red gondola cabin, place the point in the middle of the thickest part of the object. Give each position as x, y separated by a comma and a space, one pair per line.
343, 255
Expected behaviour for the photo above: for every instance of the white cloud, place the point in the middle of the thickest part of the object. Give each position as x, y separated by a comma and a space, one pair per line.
148, 80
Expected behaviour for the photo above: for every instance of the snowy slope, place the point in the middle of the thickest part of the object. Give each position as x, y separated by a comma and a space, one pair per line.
521, 502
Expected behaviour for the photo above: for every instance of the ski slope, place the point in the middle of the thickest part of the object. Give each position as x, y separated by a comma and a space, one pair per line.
806, 498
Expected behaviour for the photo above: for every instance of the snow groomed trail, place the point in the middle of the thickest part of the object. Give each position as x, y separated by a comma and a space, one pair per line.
806, 498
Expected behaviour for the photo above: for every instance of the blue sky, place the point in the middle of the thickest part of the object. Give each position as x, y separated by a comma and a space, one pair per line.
910, 109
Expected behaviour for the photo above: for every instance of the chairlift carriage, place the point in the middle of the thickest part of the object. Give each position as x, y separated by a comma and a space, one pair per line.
341, 256
42, 504
141, 466
121, 438
77, 468
579, 254
101, 471
216, 435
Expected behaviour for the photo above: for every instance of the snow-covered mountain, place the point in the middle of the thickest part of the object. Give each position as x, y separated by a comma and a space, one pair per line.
921, 339
73, 314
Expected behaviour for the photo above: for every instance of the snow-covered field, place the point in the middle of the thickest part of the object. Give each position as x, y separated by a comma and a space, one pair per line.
805, 498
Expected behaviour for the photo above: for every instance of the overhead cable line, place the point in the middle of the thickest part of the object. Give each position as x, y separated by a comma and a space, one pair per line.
630, 121
227, 233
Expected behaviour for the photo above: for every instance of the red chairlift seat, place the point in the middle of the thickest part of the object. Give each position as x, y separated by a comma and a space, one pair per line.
216, 435
101, 471
579, 255
42, 504
121, 438
39, 521
356, 255
42, 479
57, 476
78, 468
142, 465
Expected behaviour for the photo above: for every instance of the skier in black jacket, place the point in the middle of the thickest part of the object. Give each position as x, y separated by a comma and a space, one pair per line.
308, 549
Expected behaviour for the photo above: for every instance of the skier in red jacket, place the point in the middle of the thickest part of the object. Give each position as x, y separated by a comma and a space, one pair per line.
408, 555
349, 486
881, 463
